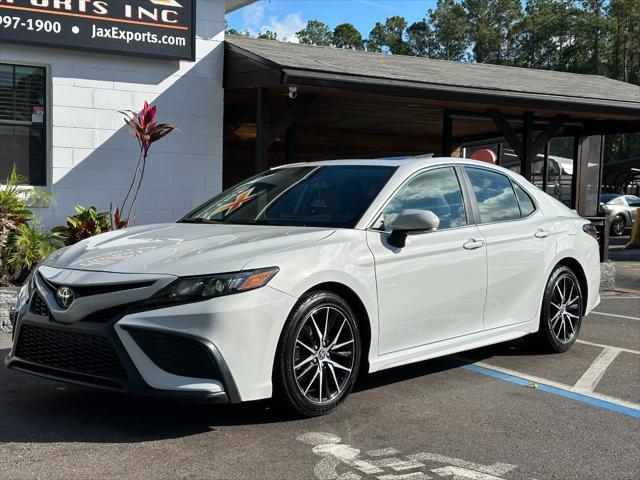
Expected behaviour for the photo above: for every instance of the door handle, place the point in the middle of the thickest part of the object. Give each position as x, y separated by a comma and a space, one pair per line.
472, 244
541, 233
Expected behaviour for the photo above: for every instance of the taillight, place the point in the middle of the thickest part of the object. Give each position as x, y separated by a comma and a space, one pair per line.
591, 229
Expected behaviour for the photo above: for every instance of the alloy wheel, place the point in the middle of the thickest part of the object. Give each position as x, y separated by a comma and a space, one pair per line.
618, 225
323, 357
565, 309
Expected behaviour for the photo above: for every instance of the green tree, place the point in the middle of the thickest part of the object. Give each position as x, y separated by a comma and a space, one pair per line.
268, 35
624, 32
549, 31
420, 39
389, 37
347, 36
450, 28
493, 27
237, 33
315, 33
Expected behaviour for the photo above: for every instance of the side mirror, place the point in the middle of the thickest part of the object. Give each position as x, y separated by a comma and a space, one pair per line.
411, 221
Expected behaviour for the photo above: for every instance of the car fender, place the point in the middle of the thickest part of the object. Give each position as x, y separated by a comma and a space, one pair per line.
342, 258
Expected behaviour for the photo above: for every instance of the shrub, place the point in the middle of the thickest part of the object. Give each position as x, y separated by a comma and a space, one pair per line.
16, 222
28, 246
86, 223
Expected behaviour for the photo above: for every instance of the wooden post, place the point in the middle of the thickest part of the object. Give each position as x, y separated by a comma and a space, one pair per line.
527, 143
447, 133
290, 153
262, 131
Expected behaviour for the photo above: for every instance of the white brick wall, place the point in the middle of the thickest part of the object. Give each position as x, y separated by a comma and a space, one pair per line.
92, 158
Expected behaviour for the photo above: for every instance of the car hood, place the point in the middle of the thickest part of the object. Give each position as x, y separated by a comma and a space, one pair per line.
181, 248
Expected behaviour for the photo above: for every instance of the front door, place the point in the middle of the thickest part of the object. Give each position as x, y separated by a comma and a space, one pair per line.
434, 287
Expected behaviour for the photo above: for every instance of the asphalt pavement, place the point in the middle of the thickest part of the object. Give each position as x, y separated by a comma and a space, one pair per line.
503, 412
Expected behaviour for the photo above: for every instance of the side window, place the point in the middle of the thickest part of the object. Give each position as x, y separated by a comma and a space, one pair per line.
494, 194
527, 207
436, 190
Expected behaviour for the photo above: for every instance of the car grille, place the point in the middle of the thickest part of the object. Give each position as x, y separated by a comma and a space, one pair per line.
76, 352
106, 315
177, 354
38, 305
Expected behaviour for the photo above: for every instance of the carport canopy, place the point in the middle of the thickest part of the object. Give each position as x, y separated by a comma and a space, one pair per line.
358, 104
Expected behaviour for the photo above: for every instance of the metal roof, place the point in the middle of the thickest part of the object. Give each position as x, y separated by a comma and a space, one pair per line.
333, 67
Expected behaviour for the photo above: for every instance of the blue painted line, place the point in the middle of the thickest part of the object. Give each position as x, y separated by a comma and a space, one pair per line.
632, 412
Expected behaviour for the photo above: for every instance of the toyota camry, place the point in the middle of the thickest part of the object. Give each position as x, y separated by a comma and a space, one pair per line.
292, 282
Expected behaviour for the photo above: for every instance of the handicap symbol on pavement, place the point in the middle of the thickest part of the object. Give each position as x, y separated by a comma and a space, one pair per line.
344, 462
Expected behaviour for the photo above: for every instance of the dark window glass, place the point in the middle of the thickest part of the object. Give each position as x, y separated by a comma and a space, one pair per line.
436, 190
494, 194
527, 207
633, 201
22, 122
608, 197
333, 196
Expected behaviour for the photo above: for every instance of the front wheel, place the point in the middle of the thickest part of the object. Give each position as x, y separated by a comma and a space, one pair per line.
618, 224
318, 355
561, 315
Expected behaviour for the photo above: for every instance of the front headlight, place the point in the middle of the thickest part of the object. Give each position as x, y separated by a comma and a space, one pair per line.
194, 289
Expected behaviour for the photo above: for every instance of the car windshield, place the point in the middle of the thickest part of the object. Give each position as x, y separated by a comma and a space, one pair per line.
334, 196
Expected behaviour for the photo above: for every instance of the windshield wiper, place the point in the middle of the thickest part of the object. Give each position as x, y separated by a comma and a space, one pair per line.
197, 220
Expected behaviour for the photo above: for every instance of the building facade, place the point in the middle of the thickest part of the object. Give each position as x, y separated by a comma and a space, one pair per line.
61, 126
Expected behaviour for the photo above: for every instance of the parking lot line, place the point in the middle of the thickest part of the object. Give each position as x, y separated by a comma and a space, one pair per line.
593, 344
555, 388
589, 379
626, 317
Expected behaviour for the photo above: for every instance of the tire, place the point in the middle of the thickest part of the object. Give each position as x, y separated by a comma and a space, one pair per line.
559, 327
306, 379
618, 224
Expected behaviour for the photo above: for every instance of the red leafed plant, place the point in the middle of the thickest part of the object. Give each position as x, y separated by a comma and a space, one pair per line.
145, 129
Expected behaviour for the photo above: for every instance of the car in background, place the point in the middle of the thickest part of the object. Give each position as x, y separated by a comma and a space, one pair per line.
290, 283
620, 209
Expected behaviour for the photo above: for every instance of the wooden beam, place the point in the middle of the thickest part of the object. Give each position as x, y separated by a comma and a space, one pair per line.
548, 133
290, 115
262, 130
508, 133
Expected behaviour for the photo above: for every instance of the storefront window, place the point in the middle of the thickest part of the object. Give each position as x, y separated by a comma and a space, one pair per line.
22, 122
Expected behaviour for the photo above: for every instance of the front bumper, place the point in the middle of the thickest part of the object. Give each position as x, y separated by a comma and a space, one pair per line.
219, 350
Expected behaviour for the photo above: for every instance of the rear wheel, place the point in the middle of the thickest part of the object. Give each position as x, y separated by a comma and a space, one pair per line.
561, 315
618, 224
318, 355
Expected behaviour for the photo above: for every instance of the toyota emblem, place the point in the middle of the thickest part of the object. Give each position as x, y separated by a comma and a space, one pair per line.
65, 297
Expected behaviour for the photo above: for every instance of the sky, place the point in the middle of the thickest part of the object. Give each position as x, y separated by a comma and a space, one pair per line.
285, 17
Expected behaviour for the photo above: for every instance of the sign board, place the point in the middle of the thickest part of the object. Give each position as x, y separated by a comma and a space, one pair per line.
148, 28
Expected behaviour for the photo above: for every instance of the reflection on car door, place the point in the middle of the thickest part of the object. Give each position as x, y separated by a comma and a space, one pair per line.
434, 287
520, 243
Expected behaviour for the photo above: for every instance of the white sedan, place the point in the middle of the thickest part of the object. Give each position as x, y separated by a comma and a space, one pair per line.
294, 281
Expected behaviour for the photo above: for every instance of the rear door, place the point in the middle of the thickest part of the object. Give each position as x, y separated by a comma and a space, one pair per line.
434, 287
520, 244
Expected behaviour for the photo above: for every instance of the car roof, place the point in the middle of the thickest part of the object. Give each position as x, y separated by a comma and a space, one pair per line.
415, 162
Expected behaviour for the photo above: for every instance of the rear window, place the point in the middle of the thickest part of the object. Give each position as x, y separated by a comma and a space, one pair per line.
527, 207
494, 194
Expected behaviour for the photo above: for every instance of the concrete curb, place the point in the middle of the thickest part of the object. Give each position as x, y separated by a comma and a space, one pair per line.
607, 276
